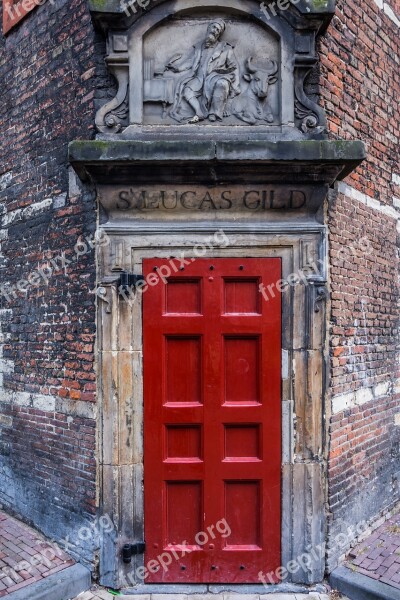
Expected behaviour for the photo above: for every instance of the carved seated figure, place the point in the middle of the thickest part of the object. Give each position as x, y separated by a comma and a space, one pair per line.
213, 79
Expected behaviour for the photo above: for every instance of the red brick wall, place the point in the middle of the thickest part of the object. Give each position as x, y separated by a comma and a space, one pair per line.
360, 91
47, 334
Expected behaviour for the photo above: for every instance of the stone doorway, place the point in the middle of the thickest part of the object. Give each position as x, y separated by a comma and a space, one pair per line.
213, 145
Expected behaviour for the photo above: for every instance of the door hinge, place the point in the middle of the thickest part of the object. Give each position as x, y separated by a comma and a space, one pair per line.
128, 280
130, 550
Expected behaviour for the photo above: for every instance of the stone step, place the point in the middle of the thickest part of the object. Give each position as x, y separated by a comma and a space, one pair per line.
102, 594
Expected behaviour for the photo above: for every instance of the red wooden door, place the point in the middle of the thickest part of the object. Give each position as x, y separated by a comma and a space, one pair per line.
212, 421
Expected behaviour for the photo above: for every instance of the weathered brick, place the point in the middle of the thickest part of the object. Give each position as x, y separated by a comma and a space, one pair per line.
360, 91
50, 70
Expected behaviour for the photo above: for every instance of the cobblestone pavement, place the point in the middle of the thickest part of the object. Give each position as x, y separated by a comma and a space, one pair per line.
102, 594
379, 555
26, 556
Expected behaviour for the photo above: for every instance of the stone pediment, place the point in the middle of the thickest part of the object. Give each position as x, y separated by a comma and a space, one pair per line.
231, 67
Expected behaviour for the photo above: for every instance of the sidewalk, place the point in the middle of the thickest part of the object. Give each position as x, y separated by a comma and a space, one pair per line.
378, 556
31, 567
26, 557
372, 568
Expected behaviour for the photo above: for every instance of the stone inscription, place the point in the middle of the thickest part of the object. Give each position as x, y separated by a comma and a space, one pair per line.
219, 199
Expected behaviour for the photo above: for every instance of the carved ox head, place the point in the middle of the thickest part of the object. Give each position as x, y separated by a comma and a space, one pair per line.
261, 78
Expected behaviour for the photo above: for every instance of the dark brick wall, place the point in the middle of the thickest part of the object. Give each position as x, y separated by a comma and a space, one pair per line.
360, 90
48, 74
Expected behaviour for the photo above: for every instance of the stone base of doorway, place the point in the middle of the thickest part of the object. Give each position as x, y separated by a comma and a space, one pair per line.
360, 587
104, 595
63, 585
226, 592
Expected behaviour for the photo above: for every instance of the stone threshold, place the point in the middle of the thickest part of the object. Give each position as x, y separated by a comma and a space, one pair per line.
223, 592
103, 594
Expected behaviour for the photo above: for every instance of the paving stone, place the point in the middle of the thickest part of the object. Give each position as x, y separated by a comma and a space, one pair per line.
137, 597
390, 581
205, 597
103, 594
170, 597
20, 545
277, 597
377, 556
233, 596
86, 596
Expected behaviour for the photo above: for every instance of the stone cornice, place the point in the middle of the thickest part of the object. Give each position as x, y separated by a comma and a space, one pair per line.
307, 161
110, 13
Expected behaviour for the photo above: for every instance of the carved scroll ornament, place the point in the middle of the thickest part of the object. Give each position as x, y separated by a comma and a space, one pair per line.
310, 117
111, 117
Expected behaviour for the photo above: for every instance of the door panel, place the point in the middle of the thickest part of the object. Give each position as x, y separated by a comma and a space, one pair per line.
212, 424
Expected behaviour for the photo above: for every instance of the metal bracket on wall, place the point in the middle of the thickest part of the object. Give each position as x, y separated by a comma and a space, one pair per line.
129, 280
316, 297
320, 296
130, 550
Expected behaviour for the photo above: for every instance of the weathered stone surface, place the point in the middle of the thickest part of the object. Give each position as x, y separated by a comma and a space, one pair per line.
308, 522
127, 162
114, 8
239, 60
260, 150
275, 203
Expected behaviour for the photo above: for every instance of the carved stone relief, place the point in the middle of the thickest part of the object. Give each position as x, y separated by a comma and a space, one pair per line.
212, 69
216, 71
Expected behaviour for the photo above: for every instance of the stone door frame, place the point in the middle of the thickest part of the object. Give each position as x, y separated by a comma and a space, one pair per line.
303, 391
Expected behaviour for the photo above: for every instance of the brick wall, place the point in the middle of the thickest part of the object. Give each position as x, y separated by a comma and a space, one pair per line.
360, 90
47, 326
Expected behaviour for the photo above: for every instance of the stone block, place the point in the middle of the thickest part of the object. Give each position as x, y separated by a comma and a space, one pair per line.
170, 597
45, 403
